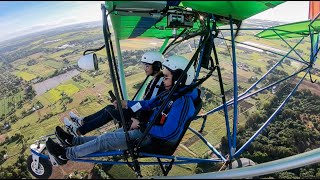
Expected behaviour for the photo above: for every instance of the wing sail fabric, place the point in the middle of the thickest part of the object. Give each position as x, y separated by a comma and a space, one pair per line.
133, 26
292, 30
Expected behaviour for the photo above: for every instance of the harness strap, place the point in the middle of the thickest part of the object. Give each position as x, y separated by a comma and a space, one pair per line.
164, 113
156, 89
152, 88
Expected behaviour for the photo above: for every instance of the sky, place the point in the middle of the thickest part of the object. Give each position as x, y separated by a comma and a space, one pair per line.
23, 17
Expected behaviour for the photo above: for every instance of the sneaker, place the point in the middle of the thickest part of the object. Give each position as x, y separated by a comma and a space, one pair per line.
63, 137
70, 126
57, 152
76, 119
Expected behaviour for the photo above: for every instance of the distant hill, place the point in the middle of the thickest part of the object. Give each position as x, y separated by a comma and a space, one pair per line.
54, 31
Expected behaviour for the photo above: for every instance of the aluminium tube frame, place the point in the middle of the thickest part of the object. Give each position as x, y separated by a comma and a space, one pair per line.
246, 95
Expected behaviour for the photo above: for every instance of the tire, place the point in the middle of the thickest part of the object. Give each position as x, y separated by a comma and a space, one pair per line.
43, 172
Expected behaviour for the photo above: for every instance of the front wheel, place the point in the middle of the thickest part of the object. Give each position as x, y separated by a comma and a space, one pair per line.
44, 169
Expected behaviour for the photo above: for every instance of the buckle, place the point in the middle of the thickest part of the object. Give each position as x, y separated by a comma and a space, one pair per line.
163, 114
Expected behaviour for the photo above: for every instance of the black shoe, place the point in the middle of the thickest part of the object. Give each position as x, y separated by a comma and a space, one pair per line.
64, 137
58, 152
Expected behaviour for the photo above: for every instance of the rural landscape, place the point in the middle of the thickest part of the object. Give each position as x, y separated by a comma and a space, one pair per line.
41, 82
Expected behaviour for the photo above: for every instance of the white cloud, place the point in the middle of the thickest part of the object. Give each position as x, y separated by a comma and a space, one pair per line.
290, 11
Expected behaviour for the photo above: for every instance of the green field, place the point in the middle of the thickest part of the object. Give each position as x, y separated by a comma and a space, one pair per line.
25, 75
53, 64
69, 89
5, 109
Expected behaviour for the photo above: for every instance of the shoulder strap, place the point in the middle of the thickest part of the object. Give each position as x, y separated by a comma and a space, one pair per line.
165, 112
156, 89
152, 88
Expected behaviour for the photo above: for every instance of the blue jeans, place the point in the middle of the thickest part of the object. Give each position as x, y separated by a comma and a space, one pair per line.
105, 142
101, 118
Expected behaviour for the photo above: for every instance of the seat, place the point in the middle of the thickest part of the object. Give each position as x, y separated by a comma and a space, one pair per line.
164, 147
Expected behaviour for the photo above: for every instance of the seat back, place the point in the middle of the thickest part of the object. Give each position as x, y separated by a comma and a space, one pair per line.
164, 147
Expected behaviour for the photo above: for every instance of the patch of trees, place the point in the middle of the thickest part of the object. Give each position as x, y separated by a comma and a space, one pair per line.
244, 66
276, 75
287, 62
257, 70
18, 138
58, 72
66, 61
99, 171
17, 171
270, 62
29, 93
287, 135
95, 73
4, 127
84, 101
31, 62
209, 99
253, 79
78, 78
76, 51
229, 92
9, 84
293, 131
65, 98
47, 116
13, 118
79, 175
27, 51
3, 155
37, 106
225, 53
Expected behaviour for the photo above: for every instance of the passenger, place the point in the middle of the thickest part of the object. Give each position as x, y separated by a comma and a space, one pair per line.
152, 65
167, 127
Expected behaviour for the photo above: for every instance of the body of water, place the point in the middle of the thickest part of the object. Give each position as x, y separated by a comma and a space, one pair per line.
48, 84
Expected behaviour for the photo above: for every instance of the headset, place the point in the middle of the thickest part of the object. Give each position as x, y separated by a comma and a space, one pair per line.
156, 66
176, 74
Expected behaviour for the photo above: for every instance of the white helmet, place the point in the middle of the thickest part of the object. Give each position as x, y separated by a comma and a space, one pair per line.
151, 57
174, 63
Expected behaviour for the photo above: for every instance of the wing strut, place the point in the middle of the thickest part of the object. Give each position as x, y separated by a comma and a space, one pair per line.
107, 38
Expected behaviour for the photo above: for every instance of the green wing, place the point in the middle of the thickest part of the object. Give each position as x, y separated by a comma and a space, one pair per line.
127, 26
239, 10
292, 30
